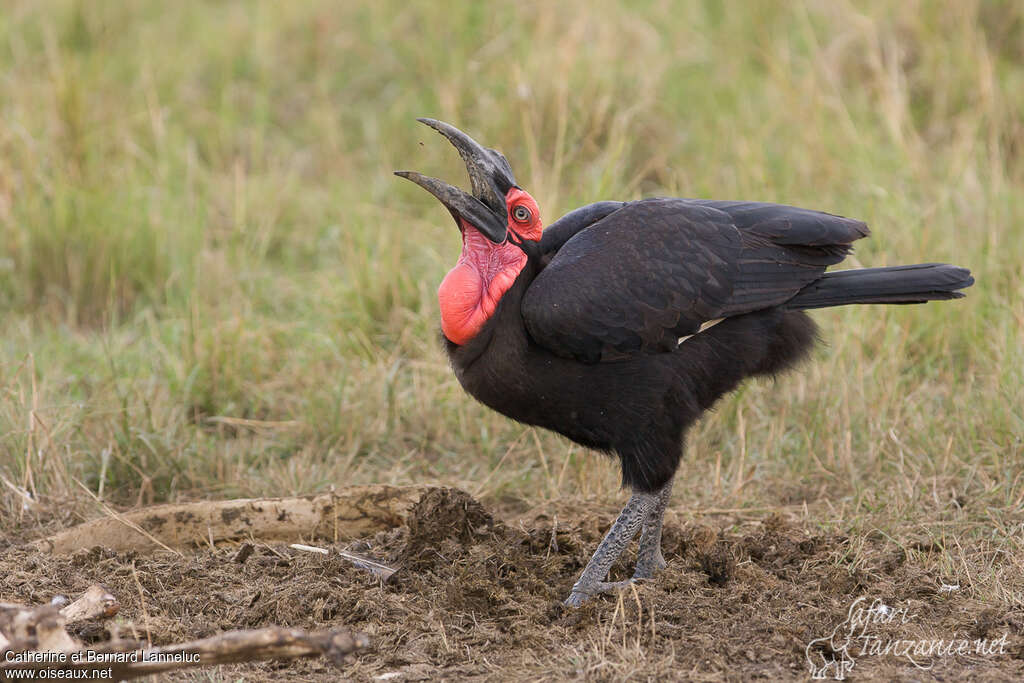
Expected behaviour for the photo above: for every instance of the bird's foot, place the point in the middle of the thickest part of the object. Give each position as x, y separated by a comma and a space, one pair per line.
643, 510
581, 593
646, 567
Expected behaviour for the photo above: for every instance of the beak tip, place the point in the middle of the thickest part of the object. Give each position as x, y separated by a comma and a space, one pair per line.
485, 208
409, 175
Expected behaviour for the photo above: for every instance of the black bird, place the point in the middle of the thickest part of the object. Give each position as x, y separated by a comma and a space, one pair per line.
622, 322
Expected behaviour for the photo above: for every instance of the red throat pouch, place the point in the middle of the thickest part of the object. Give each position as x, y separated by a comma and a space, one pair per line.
472, 289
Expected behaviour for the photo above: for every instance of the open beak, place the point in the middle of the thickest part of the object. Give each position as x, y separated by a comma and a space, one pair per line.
489, 175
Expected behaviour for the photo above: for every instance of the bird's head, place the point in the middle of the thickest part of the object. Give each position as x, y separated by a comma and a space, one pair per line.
496, 221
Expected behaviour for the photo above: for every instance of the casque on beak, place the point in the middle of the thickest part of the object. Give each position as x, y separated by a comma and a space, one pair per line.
490, 177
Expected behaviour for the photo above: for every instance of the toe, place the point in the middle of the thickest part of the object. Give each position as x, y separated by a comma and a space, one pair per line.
581, 594
576, 598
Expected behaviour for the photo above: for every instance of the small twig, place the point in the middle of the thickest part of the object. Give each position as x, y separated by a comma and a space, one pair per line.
142, 603
29, 501
310, 548
271, 549
94, 602
553, 543
369, 564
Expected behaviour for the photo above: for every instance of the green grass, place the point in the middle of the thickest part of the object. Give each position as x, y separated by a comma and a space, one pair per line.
211, 284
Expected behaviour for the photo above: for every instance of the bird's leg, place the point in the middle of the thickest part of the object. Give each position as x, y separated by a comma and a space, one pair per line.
649, 558
636, 513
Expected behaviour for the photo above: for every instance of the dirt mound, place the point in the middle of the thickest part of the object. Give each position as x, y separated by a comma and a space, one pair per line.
479, 597
442, 517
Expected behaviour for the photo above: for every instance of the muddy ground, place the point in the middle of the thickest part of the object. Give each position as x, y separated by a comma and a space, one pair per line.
480, 597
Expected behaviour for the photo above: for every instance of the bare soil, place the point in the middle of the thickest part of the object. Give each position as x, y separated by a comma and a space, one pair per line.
478, 596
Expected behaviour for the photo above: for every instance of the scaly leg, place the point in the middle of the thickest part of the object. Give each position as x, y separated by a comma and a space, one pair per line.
637, 513
649, 558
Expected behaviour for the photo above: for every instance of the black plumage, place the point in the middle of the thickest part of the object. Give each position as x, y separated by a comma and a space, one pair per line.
603, 338
655, 270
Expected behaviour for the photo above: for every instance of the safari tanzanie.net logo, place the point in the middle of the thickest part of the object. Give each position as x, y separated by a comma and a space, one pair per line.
864, 633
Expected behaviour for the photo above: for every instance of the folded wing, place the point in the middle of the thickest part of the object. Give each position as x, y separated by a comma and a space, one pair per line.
655, 270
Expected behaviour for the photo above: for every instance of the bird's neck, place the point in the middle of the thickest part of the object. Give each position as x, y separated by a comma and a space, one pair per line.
470, 293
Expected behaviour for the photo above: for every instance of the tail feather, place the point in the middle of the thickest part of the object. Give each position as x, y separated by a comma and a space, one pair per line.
913, 284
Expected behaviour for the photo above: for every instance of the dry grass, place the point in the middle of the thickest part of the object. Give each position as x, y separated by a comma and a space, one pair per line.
212, 286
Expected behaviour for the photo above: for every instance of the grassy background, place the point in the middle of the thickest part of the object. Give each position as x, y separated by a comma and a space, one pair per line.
211, 285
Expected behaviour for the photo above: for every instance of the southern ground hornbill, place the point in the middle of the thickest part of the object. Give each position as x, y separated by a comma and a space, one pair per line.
602, 327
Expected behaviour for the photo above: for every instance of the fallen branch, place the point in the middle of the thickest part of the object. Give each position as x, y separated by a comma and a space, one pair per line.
348, 513
36, 638
227, 648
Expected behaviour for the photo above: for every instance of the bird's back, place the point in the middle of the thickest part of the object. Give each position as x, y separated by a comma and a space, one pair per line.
652, 271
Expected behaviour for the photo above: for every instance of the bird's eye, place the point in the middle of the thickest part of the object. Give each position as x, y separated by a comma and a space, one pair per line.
521, 214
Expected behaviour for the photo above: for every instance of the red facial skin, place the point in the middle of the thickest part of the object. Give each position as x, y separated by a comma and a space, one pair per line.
472, 289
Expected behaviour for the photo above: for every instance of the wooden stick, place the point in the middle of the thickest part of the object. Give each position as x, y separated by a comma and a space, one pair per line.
227, 648
94, 602
348, 513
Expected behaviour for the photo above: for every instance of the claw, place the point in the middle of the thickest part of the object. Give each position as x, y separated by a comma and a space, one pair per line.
576, 599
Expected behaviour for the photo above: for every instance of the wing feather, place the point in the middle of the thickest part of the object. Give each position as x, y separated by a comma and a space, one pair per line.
634, 278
